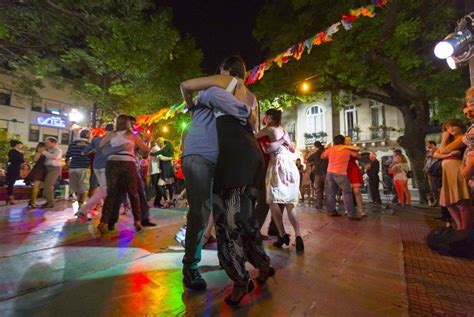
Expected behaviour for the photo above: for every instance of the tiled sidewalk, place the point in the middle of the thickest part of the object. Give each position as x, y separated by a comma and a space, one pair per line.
436, 285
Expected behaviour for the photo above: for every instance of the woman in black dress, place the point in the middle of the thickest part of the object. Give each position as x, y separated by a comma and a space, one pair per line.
15, 159
239, 174
37, 174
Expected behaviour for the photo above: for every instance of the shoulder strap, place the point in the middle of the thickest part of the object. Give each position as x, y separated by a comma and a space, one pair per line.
231, 87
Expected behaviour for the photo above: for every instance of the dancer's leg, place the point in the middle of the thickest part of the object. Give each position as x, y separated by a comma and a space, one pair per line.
277, 217
290, 208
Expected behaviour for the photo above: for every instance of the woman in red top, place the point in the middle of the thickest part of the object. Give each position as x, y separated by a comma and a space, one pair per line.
355, 178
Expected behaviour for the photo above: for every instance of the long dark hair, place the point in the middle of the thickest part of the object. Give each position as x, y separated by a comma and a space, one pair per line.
235, 65
122, 123
40, 145
453, 123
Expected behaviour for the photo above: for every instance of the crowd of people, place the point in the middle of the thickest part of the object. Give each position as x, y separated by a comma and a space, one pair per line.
233, 175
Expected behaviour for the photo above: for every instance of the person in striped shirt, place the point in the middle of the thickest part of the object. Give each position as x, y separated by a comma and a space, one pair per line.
79, 166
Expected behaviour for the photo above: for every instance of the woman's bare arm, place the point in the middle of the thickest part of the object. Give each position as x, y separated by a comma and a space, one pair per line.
106, 139
141, 145
202, 83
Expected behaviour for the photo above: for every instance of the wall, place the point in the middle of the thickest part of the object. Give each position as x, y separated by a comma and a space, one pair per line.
20, 110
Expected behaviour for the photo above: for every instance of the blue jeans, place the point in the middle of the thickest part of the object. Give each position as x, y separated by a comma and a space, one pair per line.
333, 182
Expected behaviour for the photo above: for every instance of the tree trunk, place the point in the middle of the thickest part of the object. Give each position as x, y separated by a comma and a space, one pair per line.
413, 141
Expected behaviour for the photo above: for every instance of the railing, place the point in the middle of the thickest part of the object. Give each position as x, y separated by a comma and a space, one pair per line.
309, 139
380, 135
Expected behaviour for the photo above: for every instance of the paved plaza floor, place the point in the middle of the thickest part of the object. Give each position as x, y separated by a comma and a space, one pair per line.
52, 265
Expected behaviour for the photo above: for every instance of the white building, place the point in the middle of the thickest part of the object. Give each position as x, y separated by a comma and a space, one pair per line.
373, 126
33, 119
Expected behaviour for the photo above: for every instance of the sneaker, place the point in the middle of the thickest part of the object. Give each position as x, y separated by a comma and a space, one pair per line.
192, 279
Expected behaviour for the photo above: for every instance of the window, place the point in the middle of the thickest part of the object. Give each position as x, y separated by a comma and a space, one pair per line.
52, 107
36, 104
33, 136
350, 120
65, 138
376, 114
315, 119
45, 136
5, 98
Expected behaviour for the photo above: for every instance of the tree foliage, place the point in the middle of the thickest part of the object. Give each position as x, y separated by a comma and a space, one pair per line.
387, 58
124, 55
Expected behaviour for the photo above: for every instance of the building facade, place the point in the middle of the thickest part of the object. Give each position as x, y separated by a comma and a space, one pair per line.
33, 119
372, 125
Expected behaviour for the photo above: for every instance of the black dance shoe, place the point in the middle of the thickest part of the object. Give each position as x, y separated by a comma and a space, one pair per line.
299, 244
248, 289
282, 240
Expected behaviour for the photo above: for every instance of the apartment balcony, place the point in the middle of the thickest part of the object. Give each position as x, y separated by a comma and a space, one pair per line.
376, 138
310, 138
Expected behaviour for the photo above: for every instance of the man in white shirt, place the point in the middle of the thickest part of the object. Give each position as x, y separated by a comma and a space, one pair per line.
53, 170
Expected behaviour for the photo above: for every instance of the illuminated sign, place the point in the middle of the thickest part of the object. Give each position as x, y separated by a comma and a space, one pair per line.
52, 121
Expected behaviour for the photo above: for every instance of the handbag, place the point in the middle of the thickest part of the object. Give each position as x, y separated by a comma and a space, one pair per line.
409, 174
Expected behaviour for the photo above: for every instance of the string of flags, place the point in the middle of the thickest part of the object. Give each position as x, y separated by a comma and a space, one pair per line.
296, 51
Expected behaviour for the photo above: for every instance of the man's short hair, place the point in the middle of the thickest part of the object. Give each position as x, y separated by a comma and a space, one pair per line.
52, 139
109, 127
431, 142
318, 145
85, 134
14, 143
339, 140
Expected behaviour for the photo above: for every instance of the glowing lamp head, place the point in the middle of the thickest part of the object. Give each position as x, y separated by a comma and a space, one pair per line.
148, 131
165, 129
454, 44
184, 125
305, 87
451, 63
443, 50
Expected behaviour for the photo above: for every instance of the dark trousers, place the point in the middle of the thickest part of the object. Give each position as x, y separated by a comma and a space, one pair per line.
319, 181
238, 233
199, 176
121, 179
11, 183
374, 181
119, 200
158, 191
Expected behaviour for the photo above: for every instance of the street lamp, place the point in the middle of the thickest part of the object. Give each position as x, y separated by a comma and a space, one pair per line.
305, 87
165, 129
75, 116
457, 47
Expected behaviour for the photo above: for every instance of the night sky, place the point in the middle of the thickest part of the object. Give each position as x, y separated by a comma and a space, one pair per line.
220, 28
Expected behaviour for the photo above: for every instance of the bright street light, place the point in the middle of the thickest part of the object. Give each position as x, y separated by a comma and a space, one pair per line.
443, 50
305, 87
165, 129
75, 115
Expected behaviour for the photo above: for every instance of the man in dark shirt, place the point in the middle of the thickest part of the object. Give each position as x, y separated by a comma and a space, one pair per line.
320, 170
373, 170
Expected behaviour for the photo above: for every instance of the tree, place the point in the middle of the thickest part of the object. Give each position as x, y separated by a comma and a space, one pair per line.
387, 58
124, 56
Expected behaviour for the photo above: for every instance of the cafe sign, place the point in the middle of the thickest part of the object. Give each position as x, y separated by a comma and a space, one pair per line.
51, 121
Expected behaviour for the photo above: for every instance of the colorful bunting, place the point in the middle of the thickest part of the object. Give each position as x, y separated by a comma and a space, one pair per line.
296, 50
